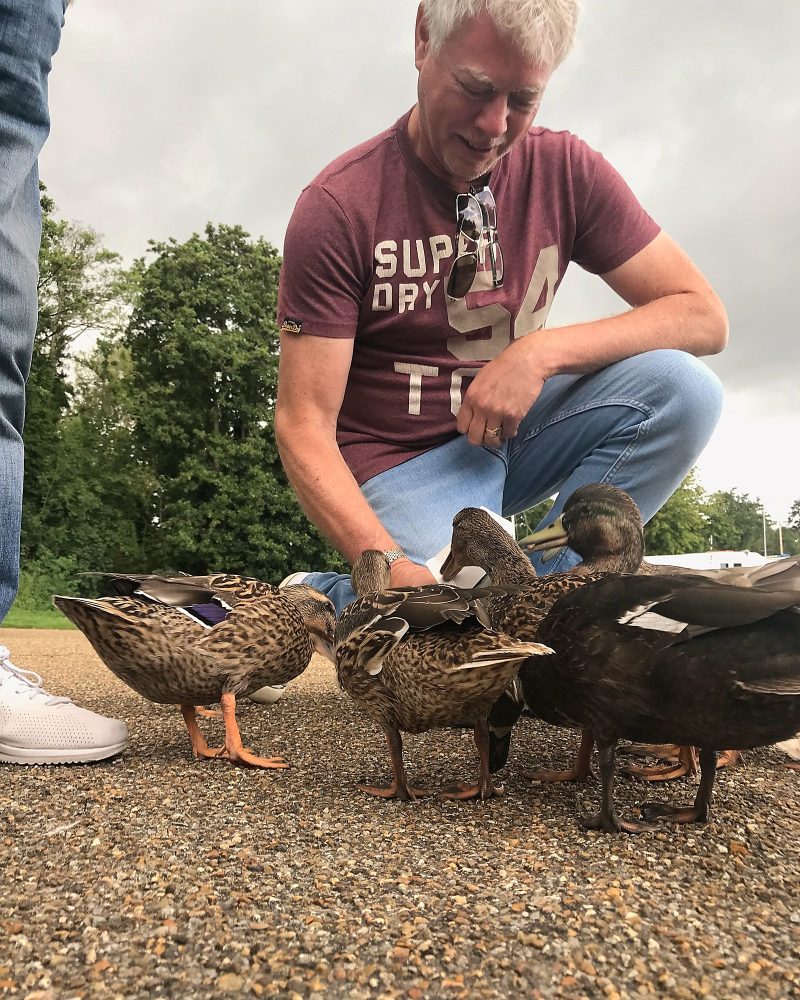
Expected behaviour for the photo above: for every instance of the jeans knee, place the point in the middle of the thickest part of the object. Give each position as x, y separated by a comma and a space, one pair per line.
690, 393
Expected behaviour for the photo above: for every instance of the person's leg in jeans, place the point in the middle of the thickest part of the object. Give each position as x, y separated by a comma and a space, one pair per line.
35, 727
640, 424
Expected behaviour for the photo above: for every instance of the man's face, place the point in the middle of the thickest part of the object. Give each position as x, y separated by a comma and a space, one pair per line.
477, 98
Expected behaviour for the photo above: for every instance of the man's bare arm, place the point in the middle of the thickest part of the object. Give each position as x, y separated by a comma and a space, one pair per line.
674, 306
311, 383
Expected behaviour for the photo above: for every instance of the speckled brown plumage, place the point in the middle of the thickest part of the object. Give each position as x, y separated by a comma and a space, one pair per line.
478, 540
448, 674
169, 657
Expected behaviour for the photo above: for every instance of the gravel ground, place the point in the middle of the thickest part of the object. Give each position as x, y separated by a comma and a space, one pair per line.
156, 875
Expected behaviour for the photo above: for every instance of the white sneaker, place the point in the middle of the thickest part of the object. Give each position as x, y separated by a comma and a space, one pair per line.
292, 579
40, 728
269, 694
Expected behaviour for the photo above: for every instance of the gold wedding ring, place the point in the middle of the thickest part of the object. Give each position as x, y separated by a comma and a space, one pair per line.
495, 431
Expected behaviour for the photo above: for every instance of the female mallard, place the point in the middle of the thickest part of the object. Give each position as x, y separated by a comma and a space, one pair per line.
603, 525
192, 640
419, 658
674, 658
478, 540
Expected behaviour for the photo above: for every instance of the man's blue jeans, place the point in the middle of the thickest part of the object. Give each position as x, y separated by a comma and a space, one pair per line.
638, 424
30, 31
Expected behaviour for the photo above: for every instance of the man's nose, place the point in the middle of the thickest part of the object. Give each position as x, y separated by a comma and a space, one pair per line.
492, 119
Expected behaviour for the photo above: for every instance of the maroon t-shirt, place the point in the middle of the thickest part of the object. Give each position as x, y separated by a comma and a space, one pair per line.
368, 252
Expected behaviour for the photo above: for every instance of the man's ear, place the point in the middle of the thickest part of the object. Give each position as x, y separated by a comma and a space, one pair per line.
421, 38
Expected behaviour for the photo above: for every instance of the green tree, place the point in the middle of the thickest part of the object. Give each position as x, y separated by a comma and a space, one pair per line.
735, 520
794, 516
81, 288
680, 525
204, 348
528, 520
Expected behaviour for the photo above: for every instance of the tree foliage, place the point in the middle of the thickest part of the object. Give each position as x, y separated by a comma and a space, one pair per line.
204, 348
680, 525
82, 286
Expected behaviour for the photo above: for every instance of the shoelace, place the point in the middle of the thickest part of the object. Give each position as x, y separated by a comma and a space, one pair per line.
27, 682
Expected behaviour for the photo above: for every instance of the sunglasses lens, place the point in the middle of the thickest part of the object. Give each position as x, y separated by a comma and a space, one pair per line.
486, 199
470, 216
462, 275
496, 262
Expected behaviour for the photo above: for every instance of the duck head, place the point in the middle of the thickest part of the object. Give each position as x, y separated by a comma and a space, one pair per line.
370, 572
318, 614
601, 523
478, 540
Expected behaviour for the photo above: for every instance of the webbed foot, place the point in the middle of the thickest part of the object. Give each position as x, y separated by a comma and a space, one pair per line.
674, 814
668, 769
613, 824
404, 792
244, 757
549, 776
728, 758
208, 713
464, 792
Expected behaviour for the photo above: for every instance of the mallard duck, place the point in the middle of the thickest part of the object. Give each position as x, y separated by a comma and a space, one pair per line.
419, 658
603, 525
193, 640
478, 540
674, 658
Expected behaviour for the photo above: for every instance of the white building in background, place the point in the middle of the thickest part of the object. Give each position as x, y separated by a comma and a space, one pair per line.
721, 559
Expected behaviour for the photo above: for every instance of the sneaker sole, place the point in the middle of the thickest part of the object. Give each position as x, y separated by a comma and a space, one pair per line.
20, 755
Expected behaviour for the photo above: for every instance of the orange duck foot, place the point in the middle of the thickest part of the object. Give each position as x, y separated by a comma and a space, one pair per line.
674, 814
581, 770
668, 770
464, 792
404, 792
548, 776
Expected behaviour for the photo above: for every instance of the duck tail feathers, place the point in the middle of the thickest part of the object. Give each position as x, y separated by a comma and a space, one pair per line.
517, 652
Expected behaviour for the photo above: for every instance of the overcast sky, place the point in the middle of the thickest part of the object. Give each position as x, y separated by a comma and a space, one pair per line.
167, 115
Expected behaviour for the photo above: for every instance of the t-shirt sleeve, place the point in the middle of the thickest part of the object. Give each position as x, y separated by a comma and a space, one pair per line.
321, 283
611, 225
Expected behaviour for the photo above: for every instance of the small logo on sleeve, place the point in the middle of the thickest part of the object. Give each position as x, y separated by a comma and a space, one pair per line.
291, 325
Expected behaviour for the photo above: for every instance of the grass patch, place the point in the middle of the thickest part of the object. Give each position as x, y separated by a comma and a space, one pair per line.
23, 618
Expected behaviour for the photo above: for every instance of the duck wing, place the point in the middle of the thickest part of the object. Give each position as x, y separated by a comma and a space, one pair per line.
184, 590
673, 658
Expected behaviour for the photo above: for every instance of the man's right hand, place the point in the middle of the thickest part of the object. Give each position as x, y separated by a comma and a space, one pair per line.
406, 573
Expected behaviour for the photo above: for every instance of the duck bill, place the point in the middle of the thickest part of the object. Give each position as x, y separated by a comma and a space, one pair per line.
553, 536
323, 645
451, 567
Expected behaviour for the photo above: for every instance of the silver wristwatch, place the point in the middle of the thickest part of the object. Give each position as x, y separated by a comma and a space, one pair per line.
392, 555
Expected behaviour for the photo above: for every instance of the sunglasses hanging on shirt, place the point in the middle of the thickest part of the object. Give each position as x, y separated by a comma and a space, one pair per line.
476, 213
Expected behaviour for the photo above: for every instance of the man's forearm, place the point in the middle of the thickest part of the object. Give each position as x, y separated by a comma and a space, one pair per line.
684, 322
328, 492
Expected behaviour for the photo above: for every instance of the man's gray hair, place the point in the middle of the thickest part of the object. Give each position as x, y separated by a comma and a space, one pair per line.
543, 30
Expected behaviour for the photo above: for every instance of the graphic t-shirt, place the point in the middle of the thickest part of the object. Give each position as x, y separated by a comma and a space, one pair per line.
370, 246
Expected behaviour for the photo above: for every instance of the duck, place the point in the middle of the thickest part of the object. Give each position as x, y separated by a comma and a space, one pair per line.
478, 540
191, 640
669, 658
421, 658
603, 525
